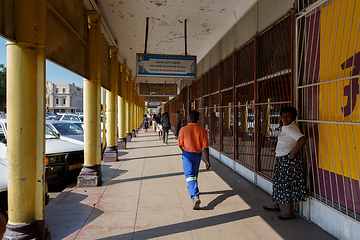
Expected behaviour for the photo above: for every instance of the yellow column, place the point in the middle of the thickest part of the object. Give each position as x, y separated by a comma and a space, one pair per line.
137, 110
104, 119
131, 104
128, 108
90, 175
26, 138
122, 109
133, 107
111, 153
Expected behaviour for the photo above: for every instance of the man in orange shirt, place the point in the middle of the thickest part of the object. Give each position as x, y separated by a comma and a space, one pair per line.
192, 139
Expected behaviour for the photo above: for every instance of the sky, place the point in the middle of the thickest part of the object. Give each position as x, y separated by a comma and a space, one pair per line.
54, 73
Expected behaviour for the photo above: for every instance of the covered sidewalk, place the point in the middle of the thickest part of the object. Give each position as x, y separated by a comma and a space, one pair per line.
144, 196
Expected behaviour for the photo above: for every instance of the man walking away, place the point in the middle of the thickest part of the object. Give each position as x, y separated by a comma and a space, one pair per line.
192, 139
165, 122
178, 124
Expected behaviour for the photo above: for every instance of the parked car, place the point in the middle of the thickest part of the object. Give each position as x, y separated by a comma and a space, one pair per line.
68, 131
67, 117
79, 124
62, 158
81, 116
50, 115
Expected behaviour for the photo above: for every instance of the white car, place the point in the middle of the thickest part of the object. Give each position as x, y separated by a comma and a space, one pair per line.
67, 130
71, 131
67, 117
62, 158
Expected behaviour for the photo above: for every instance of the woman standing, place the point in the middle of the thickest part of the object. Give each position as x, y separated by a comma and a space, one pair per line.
154, 123
288, 184
145, 123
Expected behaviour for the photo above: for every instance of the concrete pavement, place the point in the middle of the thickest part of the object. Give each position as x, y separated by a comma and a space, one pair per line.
144, 196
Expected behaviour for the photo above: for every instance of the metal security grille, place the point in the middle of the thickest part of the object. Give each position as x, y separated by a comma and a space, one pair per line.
226, 68
205, 84
274, 81
244, 99
327, 74
302, 4
240, 97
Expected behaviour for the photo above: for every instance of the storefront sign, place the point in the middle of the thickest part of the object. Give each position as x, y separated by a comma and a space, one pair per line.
153, 104
155, 99
165, 66
147, 89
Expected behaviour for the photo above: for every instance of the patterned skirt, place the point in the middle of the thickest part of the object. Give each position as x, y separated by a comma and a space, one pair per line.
288, 184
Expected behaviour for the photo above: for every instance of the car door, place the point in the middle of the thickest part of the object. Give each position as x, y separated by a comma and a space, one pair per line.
3, 144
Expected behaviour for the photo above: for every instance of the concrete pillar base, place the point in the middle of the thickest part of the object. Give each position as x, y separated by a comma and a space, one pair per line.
121, 143
90, 176
133, 133
110, 154
23, 231
128, 137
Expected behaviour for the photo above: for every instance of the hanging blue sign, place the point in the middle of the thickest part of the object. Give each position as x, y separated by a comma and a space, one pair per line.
170, 66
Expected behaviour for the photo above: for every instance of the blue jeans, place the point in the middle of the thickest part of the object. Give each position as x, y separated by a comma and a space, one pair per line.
165, 134
191, 164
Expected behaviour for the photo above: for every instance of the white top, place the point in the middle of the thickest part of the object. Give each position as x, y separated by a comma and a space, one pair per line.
287, 139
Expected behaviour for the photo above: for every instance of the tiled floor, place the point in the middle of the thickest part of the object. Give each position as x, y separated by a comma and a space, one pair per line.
144, 196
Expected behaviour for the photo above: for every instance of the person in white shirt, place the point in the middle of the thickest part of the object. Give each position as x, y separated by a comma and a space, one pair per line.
288, 182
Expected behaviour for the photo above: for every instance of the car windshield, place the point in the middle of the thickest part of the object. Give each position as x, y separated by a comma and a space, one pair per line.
68, 129
50, 134
79, 124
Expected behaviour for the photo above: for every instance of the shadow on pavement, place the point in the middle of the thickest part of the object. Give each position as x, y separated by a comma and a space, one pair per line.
254, 197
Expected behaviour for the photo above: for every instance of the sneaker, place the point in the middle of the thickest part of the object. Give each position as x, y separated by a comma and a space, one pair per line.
196, 202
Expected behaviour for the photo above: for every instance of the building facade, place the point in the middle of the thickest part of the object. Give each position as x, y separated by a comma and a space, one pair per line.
64, 97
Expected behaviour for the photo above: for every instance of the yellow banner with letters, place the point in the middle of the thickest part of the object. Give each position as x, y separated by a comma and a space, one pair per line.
339, 42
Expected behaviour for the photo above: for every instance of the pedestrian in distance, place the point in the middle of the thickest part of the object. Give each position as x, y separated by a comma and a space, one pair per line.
192, 141
159, 126
145, 123
165, 122
288, 182
178, 124
154, 122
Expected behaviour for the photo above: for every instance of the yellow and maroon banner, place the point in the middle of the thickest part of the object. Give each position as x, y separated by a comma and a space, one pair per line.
339, 143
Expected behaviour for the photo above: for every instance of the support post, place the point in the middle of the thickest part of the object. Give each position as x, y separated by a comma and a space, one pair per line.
128, 108
122, 109
111, 151
133, 107
90, 175
26, 136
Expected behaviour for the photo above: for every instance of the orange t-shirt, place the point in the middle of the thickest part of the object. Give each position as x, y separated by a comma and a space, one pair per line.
193, 138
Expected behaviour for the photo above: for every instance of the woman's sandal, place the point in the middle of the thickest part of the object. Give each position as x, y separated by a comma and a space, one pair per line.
272, 209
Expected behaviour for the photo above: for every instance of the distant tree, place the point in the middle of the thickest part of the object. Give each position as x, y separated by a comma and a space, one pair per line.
2, 83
